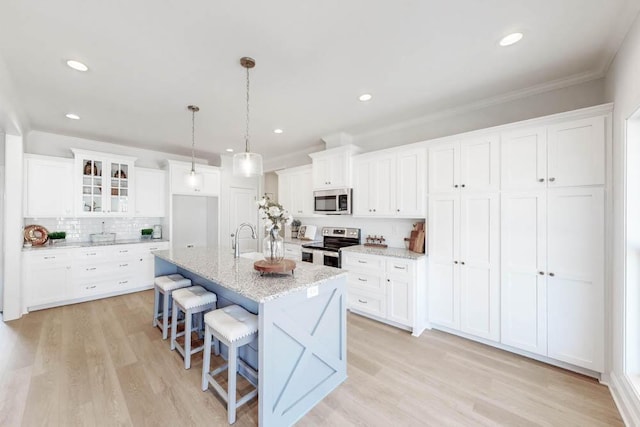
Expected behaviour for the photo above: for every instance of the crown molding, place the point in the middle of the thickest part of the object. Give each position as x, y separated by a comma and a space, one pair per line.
291, 159
489, 102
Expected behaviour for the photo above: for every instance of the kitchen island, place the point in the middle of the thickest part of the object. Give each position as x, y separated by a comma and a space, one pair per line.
301, 350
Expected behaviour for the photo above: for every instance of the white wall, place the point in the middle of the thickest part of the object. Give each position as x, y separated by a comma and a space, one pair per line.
12, 308
622, 86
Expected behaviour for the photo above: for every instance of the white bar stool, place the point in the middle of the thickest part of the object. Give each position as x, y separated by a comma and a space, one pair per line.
233, 326
165, 285
192, 300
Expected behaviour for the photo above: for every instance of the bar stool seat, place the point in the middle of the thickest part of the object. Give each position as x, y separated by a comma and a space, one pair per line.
193, 300
235, 327
163, 288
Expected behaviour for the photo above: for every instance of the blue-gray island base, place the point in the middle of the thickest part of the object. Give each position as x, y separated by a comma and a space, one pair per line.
301, 354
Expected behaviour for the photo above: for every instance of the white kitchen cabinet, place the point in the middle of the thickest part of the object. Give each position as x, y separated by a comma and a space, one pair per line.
469, 165
553, 274
293, 251
332, 167
561, 155
388, 289
206, 182
48, 187
104, 183
295, 190
464, 281
390, 184
150, 194
47, 276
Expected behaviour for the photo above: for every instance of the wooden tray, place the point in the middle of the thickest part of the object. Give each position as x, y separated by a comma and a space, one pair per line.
284, 266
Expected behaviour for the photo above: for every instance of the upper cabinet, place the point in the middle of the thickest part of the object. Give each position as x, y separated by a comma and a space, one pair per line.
332, 168
468, 165
103, 184
205, 183
150, 192
563, 155
295, 191
48, 186
390, 184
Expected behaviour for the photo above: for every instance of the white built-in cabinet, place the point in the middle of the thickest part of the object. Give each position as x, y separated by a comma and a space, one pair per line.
205, 183
332, 167
103, 183
295, 190
388, 289
390, 183
55, 277
49, 186
560, 155
553, 274
471, 164
150, 192
464, 263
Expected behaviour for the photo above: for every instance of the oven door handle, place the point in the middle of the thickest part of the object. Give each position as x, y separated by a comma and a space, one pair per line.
331, 254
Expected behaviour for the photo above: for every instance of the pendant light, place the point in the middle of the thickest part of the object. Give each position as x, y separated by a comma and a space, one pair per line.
247, 164
192, 178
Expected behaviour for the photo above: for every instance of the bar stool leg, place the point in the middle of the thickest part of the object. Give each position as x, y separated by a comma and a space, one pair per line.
174, 325
231, 387
165, 315
156, 305
206, 358
187, 339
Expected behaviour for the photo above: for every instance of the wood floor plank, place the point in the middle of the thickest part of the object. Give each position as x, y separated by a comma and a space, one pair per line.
102, 363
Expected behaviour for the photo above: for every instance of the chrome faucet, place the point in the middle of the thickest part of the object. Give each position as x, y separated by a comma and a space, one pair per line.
236, 243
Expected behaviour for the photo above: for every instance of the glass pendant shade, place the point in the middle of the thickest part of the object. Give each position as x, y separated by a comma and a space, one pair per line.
247, 164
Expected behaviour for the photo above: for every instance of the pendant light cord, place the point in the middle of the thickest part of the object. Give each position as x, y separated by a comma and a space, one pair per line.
193, 140
246, 136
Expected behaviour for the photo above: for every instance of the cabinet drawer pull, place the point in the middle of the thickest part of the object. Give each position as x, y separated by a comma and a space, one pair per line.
124, 265
91, 268
551, 274
541, 273
363, 302
92, 254
362, 262
153, 249
552, 179
399, 268
50, 257
124, 251
541, 180
124, 282
90, 287
362, 280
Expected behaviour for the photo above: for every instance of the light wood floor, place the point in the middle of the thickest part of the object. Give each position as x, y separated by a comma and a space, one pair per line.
101, 363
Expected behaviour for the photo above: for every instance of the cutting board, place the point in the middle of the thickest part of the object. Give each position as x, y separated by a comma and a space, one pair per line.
416, 238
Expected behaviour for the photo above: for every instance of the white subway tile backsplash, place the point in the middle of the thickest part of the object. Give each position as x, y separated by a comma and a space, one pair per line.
79, 229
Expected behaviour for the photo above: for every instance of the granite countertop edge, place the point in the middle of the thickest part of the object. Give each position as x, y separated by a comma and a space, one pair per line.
390, 252
74, 245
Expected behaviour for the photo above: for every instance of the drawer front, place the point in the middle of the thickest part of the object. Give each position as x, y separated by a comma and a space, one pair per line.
367, 303
90, 254
366, 282
371, 264
125, 251
155, 246
95, 287
399, 267
91, 271
47, 258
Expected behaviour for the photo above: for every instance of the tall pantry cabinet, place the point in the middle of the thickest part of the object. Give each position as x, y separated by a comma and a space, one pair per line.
553, 241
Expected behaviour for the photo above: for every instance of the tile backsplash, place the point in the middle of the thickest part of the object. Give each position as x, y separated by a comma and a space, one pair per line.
79, 229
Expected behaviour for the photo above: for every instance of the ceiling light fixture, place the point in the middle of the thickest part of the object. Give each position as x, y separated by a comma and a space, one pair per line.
510, 39
72, 116
278, 131
365, 97
229, 150
192, 178
247, 164
77, 65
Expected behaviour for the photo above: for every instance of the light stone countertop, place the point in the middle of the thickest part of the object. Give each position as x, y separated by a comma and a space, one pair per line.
391, 252
71, 245
300, 241
239, 276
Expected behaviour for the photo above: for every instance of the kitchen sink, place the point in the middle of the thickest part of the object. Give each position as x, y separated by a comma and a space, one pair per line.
102, 237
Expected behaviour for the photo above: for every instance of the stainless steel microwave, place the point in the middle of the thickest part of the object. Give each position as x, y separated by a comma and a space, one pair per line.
332, 202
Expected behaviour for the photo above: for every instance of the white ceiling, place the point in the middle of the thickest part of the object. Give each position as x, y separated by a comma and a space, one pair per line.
149, 59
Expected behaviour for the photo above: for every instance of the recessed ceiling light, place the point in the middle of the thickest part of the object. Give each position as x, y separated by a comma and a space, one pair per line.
365, 97
229, 150
511, 39
72, 116
77, 65
278, 131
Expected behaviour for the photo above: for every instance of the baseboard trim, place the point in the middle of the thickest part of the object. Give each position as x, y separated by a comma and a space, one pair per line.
625, 399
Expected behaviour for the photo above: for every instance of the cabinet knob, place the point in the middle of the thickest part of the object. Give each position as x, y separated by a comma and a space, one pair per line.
398, 210
541, 273
551, 274
374, 210
463, 185
455, 186
455, 262
369, 210
462, 262
388, 280
552, 179
541, 180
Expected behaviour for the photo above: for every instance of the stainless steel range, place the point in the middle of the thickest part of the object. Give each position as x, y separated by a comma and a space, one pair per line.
328, 251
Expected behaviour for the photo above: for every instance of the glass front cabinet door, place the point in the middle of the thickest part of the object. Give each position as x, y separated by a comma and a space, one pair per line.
104, 184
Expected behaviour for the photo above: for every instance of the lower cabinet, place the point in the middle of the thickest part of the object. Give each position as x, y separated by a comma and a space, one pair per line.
59, 276
389, 289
